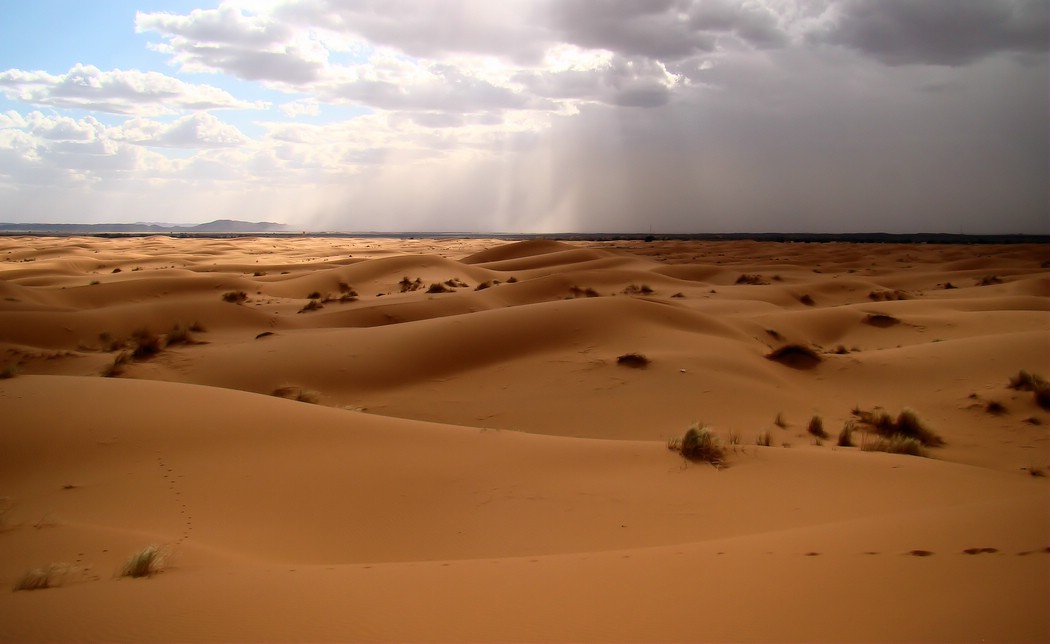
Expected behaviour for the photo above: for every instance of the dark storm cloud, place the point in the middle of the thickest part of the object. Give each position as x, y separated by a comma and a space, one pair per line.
903, 32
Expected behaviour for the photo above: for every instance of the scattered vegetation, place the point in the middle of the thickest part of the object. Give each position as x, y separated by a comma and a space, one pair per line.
807, 299
1036, 472
989, 280
841, 350
750, 278
145, 344
734, 437
486, 284
816, 427
312, 305
455, 282
298, 393
886, 296
145, 563
845, 438
512, 280
438, 288
880, 320
634, 289
633, 360
796, 356
948, 286
907, 425
408, 285
234, 297
116, 367
197, 327
50, 576
995, 408
1026, 381
116, 270
896, 444
179, 335
764, 438
576, 291
699, 444
314, 295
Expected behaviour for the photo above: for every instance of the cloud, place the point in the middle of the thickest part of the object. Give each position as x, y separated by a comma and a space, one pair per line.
248, 46
115, 91
906, 32
198, 130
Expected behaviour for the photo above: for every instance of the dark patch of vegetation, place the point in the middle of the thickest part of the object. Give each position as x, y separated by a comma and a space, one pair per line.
312, 305
773, 333
9, 371
796, 356
634, 289
995, 408
886, 296
314, 295
845, 438
764, 438
699, 444
234, 297
486, 284
633, 360
894, 445
1026, 381
408, 285
264, 334
145, 344
807, 300
576, 291
346, 288
679, 295
989, 280
438, 288
455, 282
116, 270
179, 335
816, 427
750, 278
116, 367
980, 551
880, 320
258, 273
299, 394
348, 297
197, 327
948, 286
512, 280
907, 425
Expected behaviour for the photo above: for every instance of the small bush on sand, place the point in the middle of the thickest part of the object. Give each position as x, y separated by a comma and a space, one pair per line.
633, 360
486, 284
438, 288
116, 367
679, 295
408, 285
146, 344
298, 393
749, 278
634, 289
989, 280
887, 296
779, 421
50, 576
907, 425
880, 320
796, 356
346, 288
764, 438
455, 282
845, 438
699, 444
234, 297
894, 445
1026, 381
312, 305
807, 299
197, 327
8, 371
314, 295
995, 408
512, 280
816, 427
145, 563
179, 335
734, 437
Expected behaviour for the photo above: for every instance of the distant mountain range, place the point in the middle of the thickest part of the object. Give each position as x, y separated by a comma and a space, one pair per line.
217, 226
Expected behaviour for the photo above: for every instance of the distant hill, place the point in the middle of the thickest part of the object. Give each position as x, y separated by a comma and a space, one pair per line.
217, 226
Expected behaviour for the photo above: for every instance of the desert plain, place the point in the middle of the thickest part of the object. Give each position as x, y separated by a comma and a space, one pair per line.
365, 439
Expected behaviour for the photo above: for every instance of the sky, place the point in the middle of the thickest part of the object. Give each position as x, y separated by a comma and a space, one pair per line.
529, 116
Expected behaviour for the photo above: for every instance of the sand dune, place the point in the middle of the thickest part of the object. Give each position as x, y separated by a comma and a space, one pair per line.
479, 467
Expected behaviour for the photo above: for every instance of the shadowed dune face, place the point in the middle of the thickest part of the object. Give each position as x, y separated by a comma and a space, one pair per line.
452, 423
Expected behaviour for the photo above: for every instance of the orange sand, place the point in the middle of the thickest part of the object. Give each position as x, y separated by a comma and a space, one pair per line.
479, 468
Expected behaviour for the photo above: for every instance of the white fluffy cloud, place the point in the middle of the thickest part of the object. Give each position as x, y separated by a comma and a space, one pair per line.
115, 91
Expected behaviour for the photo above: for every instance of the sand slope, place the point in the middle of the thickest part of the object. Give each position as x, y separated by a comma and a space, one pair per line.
480, 468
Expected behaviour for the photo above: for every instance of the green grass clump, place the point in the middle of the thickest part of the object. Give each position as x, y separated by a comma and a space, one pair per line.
699, 444
145, 563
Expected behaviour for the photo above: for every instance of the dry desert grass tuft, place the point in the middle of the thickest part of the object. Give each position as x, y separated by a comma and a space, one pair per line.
633, 360
796, 356
146, 562
699, 444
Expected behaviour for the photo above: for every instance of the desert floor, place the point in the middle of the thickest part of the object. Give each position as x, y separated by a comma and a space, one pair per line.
477, 466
